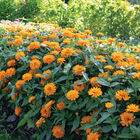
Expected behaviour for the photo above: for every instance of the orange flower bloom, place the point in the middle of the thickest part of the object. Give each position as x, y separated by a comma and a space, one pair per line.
137, 66
132, 108
18, 110
111, 40
95, 92
10, 72
103, 75
98, 57
119, 72
126, 119
18, 41
45, 112
11, 63
120, 44
19, 83
131, 61
72, 95
94, 83
122, 64
79, 87
35, 45
49, 104
88, 32
18, 54
27, 76
66, 52
39, 122
46, 72
78, 69
93, 136
35, 64
61, 60
122, 94
58, 132
117, 56
2, 75
109, 67
60, 105
67, 41
48, 59
83, 42
14, 96
50, 89
32, 98
109, 105
100, 34
136, 75
86, 119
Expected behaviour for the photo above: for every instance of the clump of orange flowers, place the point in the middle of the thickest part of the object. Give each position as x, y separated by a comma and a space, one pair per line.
11, 63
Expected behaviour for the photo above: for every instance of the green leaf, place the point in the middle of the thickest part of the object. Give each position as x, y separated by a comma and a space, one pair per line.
103, 82
106, 129
76, 123
85, 76
126, 135
77, 83
114, 84
104, 117
114, 127
61, 79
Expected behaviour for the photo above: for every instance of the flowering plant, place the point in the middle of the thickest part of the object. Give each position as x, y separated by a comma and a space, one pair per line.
70, 84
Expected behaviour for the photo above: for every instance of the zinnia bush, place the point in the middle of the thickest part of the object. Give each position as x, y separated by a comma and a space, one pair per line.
70, 84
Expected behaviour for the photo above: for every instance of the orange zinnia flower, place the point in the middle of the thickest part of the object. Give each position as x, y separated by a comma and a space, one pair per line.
95, 92
58, 132
66, 52
117, 56
39, 122
18, 54
72, 95
18, 110
10, 72
78, 69
60, 105
48, 59
27, 76
132, 108
79, 87
109, 105
126, 118
11, 63
19, 83
122, 94
93, 136
50, 89
35, 64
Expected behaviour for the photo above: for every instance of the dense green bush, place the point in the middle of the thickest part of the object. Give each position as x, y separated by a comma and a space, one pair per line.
114, 18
